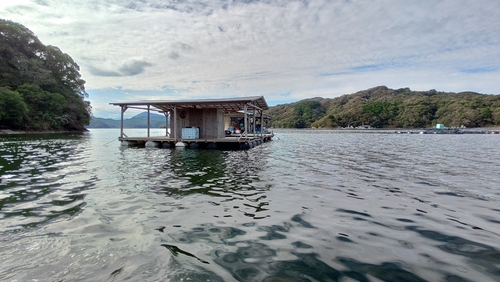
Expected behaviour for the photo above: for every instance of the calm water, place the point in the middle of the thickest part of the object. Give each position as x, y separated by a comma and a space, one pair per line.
309, 206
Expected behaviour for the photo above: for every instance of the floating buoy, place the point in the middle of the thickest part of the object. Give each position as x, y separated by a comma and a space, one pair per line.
180, 144
152, 144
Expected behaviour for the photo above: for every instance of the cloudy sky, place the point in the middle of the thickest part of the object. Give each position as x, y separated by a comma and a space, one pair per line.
286, 50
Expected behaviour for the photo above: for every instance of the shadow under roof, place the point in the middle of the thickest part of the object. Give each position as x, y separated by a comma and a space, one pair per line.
226, 104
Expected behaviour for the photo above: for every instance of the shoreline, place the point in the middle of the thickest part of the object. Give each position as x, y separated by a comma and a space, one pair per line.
476, 130
387, 129
496, 130
21, 132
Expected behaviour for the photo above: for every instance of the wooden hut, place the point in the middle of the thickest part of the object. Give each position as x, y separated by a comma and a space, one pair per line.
204, 122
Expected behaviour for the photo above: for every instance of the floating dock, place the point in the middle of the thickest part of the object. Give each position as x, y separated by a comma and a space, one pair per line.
234, 123
230, 142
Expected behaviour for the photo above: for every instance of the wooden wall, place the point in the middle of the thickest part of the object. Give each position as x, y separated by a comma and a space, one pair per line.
210, 122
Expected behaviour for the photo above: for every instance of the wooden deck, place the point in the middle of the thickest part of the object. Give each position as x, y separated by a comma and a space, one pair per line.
235, 142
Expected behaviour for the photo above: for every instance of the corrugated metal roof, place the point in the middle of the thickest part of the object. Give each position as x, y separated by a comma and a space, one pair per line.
227, 104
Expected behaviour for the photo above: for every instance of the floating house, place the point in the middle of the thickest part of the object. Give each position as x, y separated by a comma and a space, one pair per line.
233, 123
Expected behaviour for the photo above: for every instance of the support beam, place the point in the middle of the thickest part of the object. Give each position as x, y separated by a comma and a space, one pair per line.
149, 120
175, 122
167, 124
124, 108
245, 108
261, 123
254, 106
254, 121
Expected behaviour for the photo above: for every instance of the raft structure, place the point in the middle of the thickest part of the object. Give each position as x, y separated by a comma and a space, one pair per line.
232, 123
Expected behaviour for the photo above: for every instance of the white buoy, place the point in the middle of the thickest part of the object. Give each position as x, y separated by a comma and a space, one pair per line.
151, 144
124, 143
180, 144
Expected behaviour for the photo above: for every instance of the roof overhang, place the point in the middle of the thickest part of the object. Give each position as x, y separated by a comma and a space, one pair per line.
228, 105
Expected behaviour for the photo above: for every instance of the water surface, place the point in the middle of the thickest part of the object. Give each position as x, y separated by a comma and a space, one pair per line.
308, 206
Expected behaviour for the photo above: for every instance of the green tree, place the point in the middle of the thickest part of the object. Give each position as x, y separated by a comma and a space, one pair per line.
46, 109
47, 79
380, 113
13, 110
306, 112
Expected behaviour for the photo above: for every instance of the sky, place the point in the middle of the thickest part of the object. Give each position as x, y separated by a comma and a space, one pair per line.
284, 50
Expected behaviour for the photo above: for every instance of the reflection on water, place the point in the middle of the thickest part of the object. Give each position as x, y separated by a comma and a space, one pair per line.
41, 179
309, 206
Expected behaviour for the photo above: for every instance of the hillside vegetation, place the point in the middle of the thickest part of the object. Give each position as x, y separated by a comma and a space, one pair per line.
40, 86
381, 107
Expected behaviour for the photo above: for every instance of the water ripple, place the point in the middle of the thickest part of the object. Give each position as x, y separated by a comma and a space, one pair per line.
43, 178
310, 206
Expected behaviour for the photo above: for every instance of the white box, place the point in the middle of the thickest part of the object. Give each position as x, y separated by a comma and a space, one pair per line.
191, 133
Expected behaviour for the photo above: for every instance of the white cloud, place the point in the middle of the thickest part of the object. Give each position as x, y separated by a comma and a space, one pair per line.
285, 50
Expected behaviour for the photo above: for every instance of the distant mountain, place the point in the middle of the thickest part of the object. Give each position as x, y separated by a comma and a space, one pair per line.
137, 121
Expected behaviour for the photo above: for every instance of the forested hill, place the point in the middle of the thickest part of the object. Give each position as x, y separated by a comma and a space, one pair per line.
382, 107
40, 86
138, 121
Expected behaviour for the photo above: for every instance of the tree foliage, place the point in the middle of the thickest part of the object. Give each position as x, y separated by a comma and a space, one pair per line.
382, 107
41, 82
303, 114
13, 110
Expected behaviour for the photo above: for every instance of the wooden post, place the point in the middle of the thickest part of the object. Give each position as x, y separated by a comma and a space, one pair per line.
175, 121
245, 108
124, 108
170, 122
261, 123
167, 125
254, 120
149, 120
